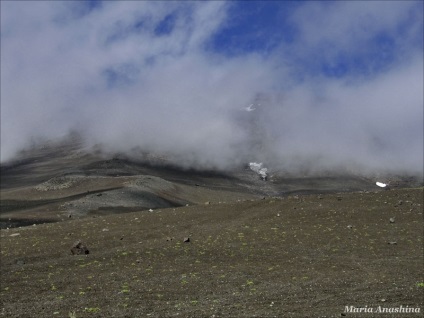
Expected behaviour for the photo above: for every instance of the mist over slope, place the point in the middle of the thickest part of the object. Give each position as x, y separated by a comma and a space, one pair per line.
153, 77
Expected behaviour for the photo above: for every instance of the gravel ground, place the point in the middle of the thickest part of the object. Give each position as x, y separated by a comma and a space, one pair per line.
166, 242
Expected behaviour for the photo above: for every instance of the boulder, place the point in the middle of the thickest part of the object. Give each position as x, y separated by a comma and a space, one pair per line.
79, 249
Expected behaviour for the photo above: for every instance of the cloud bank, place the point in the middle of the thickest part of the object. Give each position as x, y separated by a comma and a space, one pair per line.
343, 90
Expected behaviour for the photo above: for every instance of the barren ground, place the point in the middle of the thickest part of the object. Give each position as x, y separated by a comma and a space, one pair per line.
291, 247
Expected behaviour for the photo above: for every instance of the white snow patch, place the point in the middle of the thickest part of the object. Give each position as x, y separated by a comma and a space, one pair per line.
381, 184
259, 169
250, 108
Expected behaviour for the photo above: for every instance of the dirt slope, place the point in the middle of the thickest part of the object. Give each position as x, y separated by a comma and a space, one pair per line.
300, 256
168, 242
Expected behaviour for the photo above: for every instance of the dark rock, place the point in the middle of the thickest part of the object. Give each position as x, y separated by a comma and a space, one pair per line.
20, 262
79, 249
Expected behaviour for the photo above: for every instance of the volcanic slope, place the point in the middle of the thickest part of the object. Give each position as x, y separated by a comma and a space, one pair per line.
61, 181
166, 242
299, 256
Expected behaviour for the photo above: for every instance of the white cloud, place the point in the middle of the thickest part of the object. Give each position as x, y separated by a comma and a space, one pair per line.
107, 73
348, 23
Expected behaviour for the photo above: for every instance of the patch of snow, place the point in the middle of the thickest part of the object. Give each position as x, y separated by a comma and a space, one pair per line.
259, 169
381, 185
250, 108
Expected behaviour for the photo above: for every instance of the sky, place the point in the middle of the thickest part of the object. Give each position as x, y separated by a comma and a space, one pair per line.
335, 84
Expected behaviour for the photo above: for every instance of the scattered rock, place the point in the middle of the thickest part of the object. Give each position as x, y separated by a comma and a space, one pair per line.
186, 240
15, 234
350, 226
150, 210
392, 243
278, 214
207, 202
339, 198
105, 230
20, 262
392, 220
169, 239
79, 249
99, 195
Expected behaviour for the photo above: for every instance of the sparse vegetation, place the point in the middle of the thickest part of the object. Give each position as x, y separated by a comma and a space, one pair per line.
303, 255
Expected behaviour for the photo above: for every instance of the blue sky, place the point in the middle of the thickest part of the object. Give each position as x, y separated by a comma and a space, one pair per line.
342, 79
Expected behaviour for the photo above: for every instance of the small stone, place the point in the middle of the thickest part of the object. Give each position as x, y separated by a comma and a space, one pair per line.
150, 210
186, 240
392, 220
207, 202
278, 214
105, 230
392, 243
350, 226
15, 234
79, 248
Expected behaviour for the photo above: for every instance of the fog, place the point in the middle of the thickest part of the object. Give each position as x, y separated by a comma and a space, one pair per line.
142, 76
